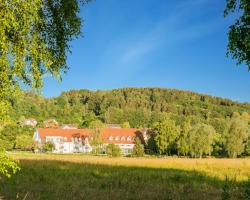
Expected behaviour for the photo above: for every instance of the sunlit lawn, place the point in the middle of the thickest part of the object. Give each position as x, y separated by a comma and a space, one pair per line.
97, 177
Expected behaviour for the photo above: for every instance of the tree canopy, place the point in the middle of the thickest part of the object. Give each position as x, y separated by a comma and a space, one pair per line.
239, 33
201, 138
35, 36
237, 134
165, 133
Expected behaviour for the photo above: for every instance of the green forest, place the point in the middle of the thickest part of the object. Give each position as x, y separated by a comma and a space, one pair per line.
184, 122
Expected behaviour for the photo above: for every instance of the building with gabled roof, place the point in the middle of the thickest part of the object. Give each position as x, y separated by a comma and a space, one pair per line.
79, 140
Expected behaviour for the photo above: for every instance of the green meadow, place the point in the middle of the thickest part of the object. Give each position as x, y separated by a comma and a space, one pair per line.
98, 177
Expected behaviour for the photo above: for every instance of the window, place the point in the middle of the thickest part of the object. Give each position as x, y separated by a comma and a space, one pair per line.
117, 138
122, 138
128, 138
110, 138
61, 140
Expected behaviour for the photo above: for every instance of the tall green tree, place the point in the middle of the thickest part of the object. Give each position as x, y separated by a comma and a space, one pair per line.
201, 139
88, 120
113, 150
236, 135
138, 150
247, 149
96, 135
24, 142
183, 142
239, 33
166, 133
35, 36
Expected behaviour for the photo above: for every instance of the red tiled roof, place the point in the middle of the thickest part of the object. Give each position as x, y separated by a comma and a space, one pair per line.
68, 133
106, 133
119, 132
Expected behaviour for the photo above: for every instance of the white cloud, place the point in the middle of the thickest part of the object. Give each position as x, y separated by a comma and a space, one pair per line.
171, 32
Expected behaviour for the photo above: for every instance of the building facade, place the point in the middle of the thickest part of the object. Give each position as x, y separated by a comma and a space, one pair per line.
82, 140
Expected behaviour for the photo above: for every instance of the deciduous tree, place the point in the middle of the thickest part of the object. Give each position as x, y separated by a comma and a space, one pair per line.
165, 134
113, 150
239, 33
236, 135
201, 139
183, 142
35, 36
138, 150
7, 166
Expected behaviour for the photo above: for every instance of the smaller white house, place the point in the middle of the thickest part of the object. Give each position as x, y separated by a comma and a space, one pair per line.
29, 122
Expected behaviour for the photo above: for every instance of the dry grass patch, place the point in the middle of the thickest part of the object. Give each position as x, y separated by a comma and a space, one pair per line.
45, 176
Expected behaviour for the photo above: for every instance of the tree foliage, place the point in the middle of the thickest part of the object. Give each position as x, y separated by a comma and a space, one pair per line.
125, 125
48, 147
201, 139
140, 107
133, 105
16, 137
166, 133
183, 140
35, 36
237, 134
239, 33
7, 167
138, 150
113, 150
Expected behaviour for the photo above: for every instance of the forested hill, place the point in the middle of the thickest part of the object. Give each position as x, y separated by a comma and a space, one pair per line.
141, 107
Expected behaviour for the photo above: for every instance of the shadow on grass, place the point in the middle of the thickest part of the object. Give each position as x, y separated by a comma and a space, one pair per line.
66, 180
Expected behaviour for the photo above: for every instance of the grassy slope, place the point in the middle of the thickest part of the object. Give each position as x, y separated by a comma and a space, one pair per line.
90, 177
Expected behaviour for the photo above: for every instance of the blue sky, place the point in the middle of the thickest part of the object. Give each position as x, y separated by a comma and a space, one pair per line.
154, 43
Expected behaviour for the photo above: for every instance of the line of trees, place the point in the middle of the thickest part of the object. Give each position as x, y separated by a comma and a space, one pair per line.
200, 139
166, 137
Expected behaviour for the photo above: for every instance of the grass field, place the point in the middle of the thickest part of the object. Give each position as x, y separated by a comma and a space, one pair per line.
95, 177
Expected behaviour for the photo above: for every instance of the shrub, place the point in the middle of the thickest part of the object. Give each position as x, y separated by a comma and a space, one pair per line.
7, 166
113, 150
48, 147
125, 125
24, 142
138, 150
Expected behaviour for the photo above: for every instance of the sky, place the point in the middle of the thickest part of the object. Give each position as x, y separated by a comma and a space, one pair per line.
177, 44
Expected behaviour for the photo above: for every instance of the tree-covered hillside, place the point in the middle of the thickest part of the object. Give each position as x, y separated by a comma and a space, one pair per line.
180, 122
141, 107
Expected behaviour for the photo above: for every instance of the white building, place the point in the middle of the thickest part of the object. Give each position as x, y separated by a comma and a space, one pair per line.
78, 140
65, 140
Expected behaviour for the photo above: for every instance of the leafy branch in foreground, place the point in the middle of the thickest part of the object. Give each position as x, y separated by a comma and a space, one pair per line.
239, 33
7, 166
35, 36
